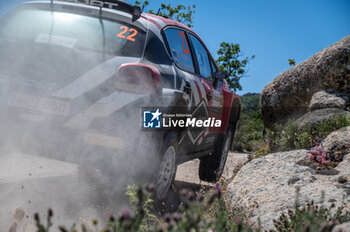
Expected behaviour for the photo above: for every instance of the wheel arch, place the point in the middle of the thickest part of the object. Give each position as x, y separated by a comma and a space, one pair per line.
235, 111
235, 115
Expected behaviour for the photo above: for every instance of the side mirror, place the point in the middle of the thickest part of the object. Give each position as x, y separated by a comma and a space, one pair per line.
220, 75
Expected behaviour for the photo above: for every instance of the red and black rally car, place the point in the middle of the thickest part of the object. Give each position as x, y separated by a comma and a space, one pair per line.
78, 76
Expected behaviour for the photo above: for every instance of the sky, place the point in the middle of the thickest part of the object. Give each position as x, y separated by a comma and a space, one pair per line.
272, 30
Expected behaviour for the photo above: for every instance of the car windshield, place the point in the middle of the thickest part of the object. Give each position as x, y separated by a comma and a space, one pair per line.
73, 31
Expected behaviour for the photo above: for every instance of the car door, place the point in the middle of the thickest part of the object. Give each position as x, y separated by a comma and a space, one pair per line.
205, 69
184, 71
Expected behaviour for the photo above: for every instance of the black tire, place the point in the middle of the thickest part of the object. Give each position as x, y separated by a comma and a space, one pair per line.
212, 166
167, 167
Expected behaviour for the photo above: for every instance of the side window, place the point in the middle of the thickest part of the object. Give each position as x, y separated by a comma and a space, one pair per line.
179, 48
202, 58
213, 67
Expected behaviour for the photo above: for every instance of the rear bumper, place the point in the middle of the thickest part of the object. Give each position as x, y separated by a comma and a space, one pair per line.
75, 146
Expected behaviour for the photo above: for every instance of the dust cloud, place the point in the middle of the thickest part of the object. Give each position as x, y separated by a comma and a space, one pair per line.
62, 124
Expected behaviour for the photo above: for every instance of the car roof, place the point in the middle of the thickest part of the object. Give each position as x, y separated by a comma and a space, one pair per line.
161, 22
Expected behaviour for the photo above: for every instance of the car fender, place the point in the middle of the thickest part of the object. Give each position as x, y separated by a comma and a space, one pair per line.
231, 109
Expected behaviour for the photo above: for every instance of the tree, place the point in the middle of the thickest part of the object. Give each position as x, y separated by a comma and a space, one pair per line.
291, 62
180, 13
229, 61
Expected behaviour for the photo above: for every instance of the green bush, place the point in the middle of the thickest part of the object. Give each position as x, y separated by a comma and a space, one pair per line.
249, 135
288, 137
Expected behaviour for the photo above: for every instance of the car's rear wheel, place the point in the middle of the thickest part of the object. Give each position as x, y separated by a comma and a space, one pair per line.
212, 166
167, 168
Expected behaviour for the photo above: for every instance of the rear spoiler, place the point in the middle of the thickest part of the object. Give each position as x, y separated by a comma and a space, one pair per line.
120, 5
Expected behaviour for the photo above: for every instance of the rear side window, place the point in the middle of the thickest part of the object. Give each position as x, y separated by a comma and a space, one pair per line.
202, 58
179, 48
73, 31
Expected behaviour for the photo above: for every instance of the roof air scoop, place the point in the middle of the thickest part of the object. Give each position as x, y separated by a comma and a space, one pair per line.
120, 5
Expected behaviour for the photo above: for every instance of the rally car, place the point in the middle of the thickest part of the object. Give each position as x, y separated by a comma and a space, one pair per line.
94, 79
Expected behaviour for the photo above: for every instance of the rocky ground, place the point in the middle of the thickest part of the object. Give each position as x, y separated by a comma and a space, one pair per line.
266, 187
311, 95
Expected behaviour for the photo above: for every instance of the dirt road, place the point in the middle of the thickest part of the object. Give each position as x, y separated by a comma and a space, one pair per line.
33, 184
188, 172
19, 167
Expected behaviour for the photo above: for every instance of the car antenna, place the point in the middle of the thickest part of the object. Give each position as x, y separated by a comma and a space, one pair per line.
158, 11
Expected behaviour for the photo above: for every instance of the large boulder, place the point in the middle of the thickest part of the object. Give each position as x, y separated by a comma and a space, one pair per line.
289, 94
317, 117
329, 98
266, 187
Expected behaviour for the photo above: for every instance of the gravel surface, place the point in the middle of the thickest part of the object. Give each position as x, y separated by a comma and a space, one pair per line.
18, 167
188, 172
30, 184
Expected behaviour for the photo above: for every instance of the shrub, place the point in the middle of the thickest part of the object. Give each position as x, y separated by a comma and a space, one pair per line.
249, 135
311, 218
289, 137
209, 212
264, 150
198, 212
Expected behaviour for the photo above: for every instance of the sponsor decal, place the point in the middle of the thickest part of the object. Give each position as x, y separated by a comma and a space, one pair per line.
45, 105
103, 140
57, 40
106, 4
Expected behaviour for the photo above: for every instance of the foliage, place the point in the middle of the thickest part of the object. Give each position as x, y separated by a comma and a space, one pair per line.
194, 212
192, 216
230, 61
249, 135
289, 137
209, 212
140, 199
181, 13
291, 62
262, 151
41, 227
311, 218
